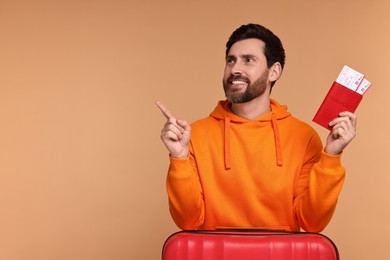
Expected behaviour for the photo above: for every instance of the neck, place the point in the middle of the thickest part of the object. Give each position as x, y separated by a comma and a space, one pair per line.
254, 108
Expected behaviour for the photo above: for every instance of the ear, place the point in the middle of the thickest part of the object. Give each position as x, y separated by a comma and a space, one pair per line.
275, 72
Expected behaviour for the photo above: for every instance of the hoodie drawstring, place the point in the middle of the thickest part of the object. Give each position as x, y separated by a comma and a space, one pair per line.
227, 142
278, 147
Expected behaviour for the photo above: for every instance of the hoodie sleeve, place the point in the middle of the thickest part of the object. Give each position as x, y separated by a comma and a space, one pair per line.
185, 193
318, 188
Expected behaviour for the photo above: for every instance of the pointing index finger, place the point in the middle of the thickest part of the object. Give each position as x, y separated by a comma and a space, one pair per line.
164, 110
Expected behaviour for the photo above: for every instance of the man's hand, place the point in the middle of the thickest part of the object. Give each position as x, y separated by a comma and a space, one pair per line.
343, 131
175, 133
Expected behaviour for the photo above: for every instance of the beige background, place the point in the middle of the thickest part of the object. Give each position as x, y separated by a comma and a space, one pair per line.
82, 168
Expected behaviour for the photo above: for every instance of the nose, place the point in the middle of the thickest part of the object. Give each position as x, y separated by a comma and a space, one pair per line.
237, 68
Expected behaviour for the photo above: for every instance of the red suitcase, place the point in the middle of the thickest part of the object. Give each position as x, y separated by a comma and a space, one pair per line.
248, 245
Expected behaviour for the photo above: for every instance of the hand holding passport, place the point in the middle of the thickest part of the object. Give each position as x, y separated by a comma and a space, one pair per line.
345, 94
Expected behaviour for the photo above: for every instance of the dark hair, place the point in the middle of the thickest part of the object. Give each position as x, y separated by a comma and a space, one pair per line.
273, 50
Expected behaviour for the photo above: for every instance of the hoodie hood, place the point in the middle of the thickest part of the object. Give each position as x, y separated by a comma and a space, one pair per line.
223, 112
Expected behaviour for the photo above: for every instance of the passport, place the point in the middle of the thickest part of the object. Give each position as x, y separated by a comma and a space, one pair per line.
344, 94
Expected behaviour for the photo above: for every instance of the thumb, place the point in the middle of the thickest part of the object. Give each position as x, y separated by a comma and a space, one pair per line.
184, 124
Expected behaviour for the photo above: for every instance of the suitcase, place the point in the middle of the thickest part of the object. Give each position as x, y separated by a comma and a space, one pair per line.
248, 245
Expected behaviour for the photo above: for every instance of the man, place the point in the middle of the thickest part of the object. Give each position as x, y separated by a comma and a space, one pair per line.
251, 164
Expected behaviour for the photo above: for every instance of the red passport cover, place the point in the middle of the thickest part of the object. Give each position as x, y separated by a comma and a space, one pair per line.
338, 99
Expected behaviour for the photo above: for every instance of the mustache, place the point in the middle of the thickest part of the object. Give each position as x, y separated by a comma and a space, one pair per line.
238, 77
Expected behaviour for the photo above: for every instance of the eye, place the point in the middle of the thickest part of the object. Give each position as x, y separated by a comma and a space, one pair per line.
230, 60
249, 60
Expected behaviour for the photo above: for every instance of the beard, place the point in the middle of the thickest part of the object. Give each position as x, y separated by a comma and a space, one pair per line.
252, 91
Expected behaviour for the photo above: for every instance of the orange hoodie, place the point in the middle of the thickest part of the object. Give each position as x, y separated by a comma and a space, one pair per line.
270, 172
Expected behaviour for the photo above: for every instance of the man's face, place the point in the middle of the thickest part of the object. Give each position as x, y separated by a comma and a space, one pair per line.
246, 73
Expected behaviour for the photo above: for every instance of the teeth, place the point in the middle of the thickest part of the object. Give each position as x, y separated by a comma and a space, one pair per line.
238, 82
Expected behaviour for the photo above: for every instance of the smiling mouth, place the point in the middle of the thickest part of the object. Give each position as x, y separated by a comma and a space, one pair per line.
238, 82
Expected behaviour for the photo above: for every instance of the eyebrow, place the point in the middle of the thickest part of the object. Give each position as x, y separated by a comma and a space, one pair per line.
244, 56
230, 57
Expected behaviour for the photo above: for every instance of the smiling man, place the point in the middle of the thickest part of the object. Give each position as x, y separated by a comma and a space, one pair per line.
237, 85
251, 164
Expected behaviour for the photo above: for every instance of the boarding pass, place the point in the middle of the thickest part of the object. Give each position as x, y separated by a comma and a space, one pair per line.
353, 80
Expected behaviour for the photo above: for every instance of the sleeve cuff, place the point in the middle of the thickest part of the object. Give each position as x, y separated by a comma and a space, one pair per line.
180, 166
331, 163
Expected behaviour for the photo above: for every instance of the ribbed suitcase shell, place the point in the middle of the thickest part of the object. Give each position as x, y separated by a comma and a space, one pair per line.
248, 245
